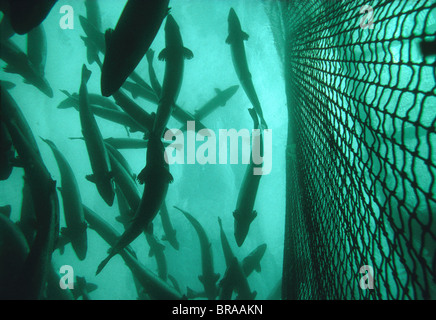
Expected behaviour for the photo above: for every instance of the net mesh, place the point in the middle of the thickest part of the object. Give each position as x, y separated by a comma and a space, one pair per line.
361, 147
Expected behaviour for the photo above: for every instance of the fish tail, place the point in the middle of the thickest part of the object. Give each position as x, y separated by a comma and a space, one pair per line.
104, 263
86, 74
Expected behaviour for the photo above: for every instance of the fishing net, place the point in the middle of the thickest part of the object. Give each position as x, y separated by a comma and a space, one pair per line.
361, 147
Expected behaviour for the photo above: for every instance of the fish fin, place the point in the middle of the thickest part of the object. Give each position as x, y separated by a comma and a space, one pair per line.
150, 228
200, 277
104, 263
258, 268
26, 81
254, 215
91, 287
90, 178
245, 36
169, 10
229, 40
60, 189
65, 92
86, 74
218, 91
65, 104
122, 219
10, 69
162, 55
188, 54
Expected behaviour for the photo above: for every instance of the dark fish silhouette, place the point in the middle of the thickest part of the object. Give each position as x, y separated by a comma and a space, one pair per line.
127, 44
13, 254
236, 40
72, 204
220, 99
157, 251
174, 54
46, 205
170, 232
98, 155
156, 178
18, 62
25, 15
252, 261
209, 278
244, 213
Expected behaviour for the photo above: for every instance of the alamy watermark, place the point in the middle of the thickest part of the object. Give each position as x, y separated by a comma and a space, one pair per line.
368, 16
367, 281
228, 143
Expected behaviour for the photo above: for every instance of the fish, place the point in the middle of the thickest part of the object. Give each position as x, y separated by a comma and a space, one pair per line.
220, 99
174, 55
170, 232
252, 261
46, 206
26, 15
157, 251
72, 204
155, 287
97, 152
72, 101
209, 278
126, 45
37, 49
235, 278
13, 253
11, 111
126, 143
236, 40
156, 177
244, 213
7, 153
18, 62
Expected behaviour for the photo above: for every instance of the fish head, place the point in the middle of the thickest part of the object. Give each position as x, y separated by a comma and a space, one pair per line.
172, 33
233, 20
